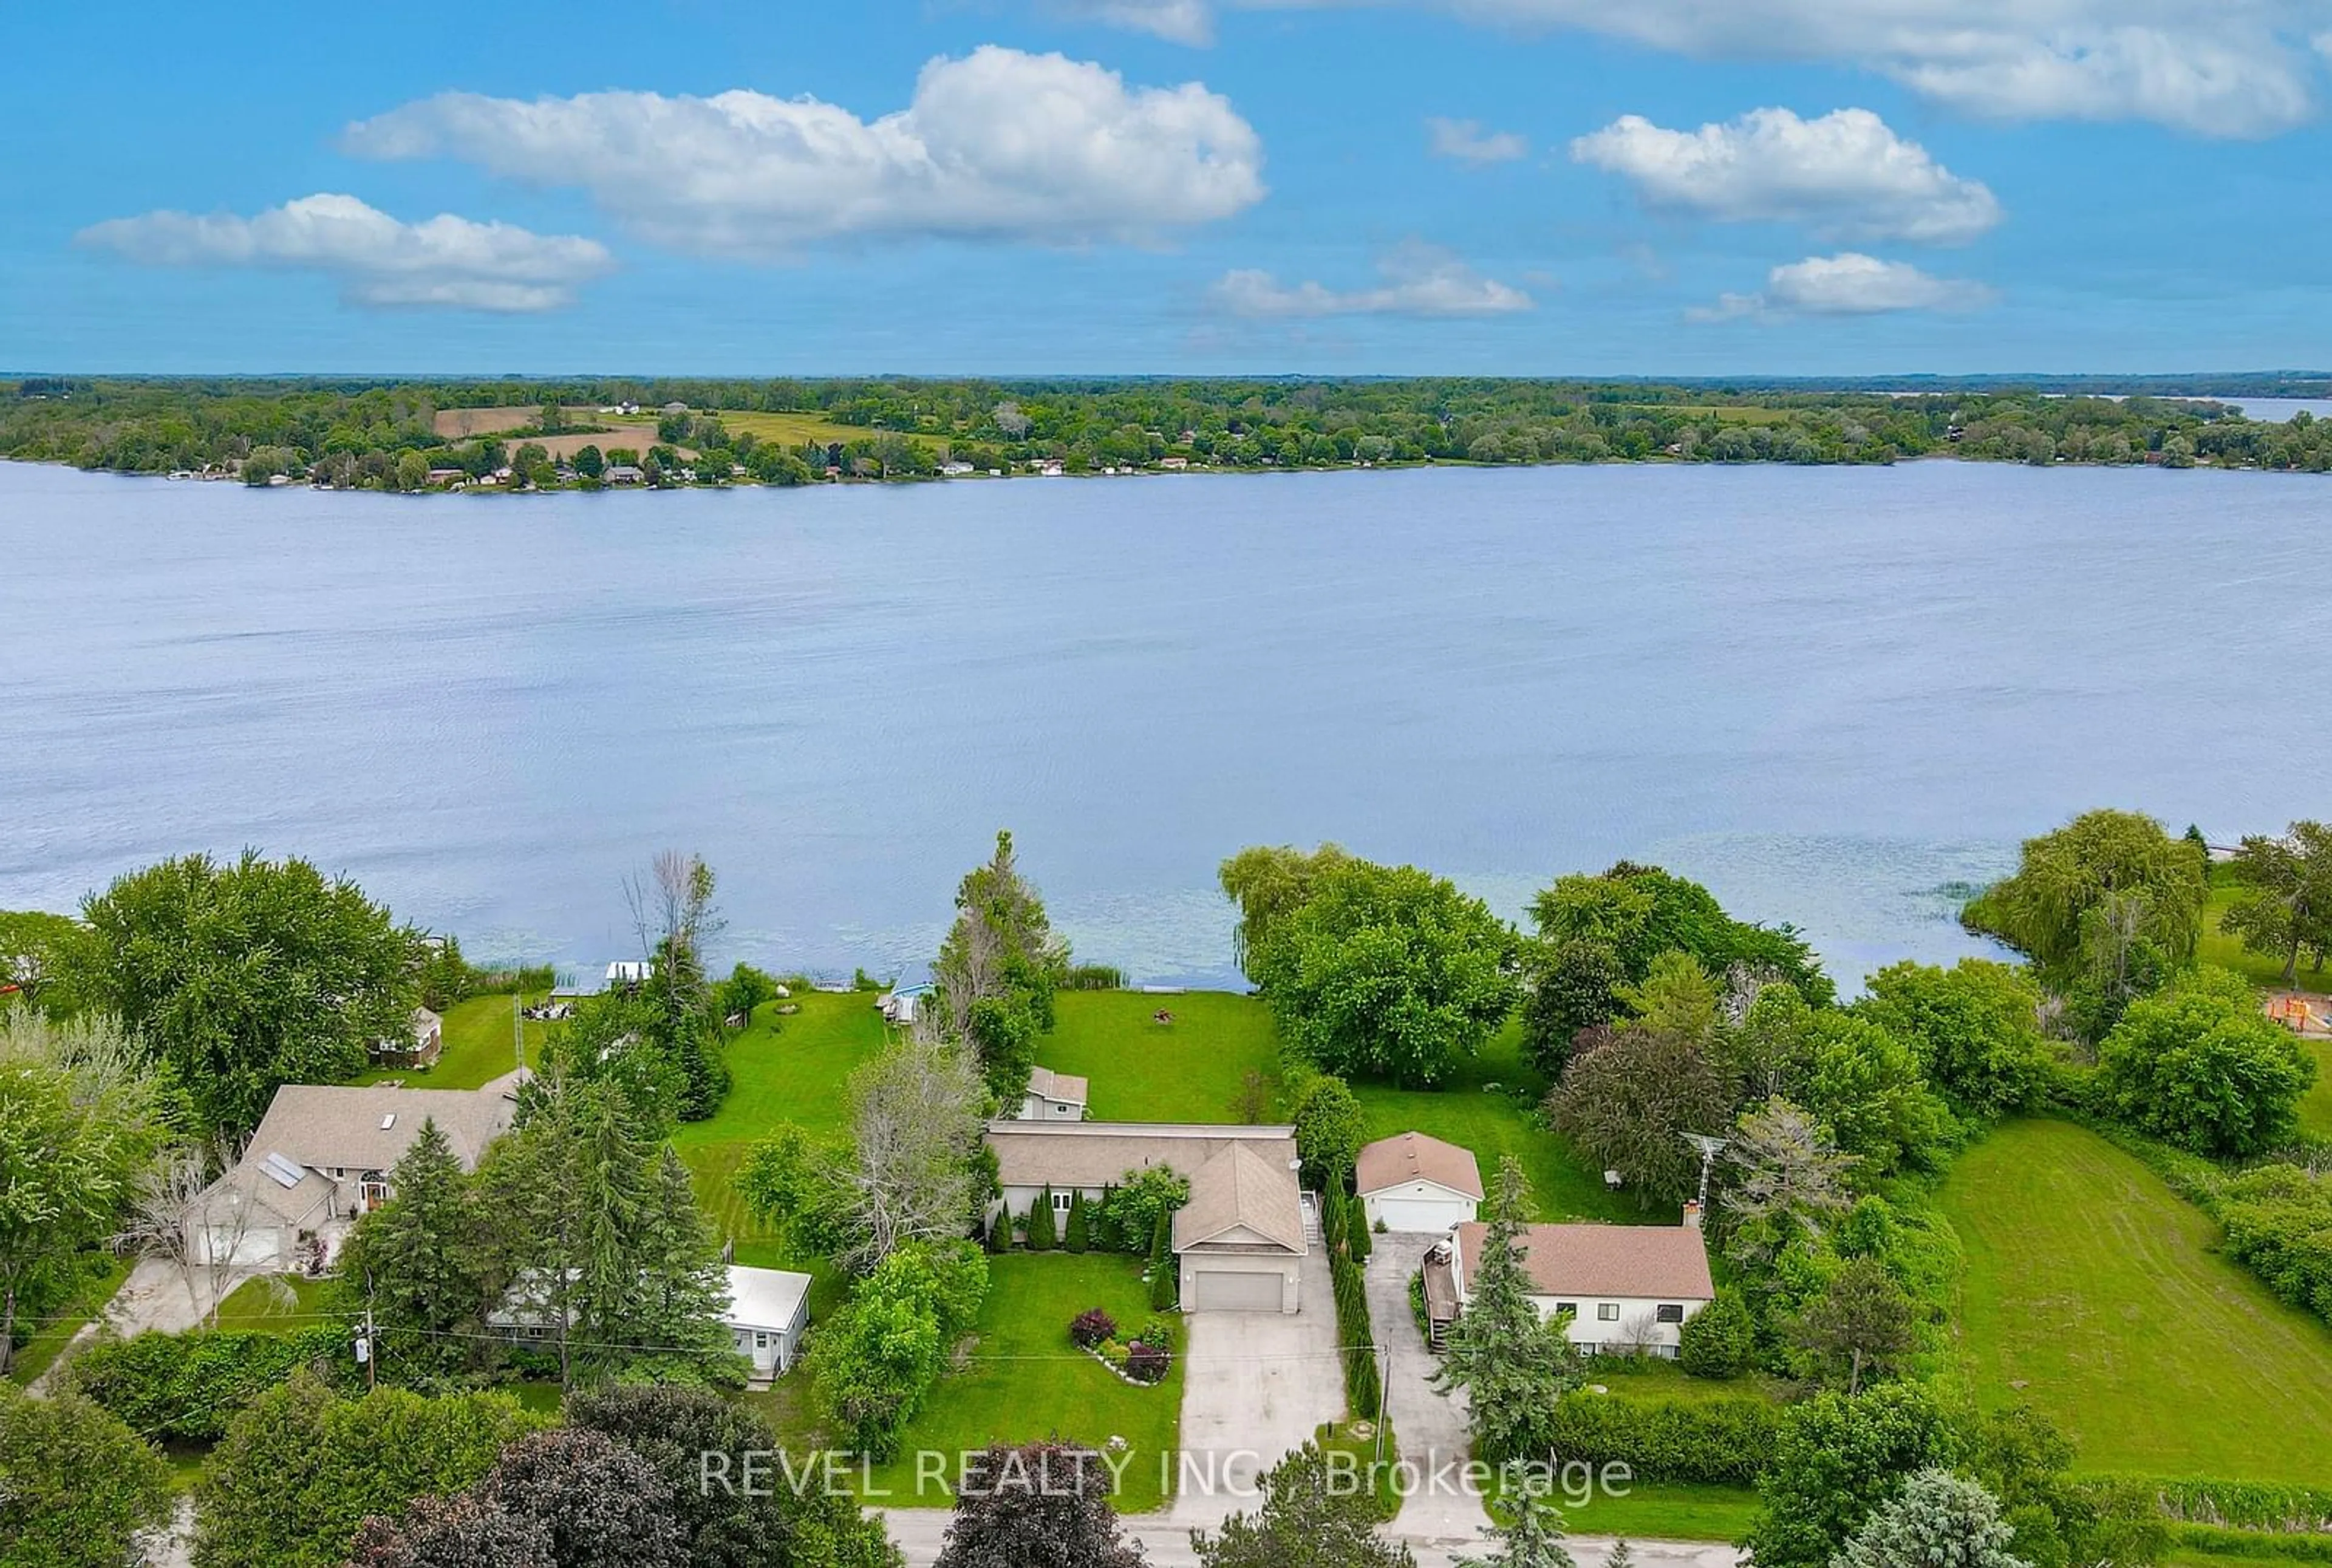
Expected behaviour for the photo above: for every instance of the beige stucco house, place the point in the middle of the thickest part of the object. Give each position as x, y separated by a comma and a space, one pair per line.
1629, 1289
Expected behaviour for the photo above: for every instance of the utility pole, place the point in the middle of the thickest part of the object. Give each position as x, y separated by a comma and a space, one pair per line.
368, 1346
518, 1033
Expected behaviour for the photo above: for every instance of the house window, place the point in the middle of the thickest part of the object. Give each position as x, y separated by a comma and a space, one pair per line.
1061, 1201
1060, 1110
1570, 1306
1669, 1312
1607, 1311
761, 1340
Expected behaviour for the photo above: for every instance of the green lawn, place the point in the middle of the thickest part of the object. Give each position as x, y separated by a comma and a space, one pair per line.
1025, 1381
477, 1037
34, 1356
263, 1304
1665, 1511
1493, 1121
785, 1068
1138, 1070
2093, 1293
1194, 1069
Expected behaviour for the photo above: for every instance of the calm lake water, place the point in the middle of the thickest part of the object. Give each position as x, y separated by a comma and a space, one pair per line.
1834, 694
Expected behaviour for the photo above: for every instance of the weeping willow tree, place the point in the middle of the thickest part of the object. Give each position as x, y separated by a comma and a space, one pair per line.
1269, 882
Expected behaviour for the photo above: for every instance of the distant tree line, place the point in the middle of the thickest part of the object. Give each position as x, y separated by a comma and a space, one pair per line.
384, 434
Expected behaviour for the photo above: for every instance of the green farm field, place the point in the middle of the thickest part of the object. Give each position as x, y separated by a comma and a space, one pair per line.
2094, 1293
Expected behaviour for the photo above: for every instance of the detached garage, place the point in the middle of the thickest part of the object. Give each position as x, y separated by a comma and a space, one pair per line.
1239, 1241
1413, 1182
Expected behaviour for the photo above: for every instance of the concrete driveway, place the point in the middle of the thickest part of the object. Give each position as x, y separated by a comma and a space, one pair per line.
1254, 1385
1431, 1427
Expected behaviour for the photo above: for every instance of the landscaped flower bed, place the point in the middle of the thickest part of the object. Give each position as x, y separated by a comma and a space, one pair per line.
1145, 1358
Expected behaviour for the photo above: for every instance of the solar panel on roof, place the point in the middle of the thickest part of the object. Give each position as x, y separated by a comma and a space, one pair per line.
285, 1173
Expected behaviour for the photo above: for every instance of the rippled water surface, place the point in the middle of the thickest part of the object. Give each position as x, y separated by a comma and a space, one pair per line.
1834, 694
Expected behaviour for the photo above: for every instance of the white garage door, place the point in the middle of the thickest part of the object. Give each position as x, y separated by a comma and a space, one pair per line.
222, 1246
1224, 1291
1426, 1214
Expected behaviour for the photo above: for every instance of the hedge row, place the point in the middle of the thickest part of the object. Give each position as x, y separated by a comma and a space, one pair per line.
187, 1387
1725, 1440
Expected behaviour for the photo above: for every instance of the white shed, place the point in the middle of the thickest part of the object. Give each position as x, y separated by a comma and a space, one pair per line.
1411, 1182
768, 1310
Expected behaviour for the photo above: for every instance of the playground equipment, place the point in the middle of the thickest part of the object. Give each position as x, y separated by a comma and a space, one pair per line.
2299, 1013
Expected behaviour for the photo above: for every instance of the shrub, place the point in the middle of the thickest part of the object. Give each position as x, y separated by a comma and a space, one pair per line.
1718, 1340
1164, 1285
76, 1486
1092, 1326
1159, 1328
2200, 1066
1078, 1235
1146, 1362
1040, 1222
188, 1387
1723, 1440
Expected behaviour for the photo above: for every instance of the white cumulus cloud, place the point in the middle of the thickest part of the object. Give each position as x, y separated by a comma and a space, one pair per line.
2236, 68
1844, 174
1419, 280
1465, 140
446, 260
1849, 284
998, 145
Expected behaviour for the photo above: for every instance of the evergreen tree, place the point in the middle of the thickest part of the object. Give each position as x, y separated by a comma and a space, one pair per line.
1513, 1365
1040, 1221
417, 1261
683, 1286
1621, 1554
1078, 1235
1164, 1287
1940, 1520
1357, 1240
1534, 1539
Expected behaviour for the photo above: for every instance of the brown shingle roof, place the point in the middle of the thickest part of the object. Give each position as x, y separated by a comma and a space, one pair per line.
1047, 1085
1414, 1156
1097, 1153
1240, 1187
1668, 1262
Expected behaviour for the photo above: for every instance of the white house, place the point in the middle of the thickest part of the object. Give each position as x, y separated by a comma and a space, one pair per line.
1052, 1097
1240, 1242
1411, 1182
768, 1310
323, 1155
1629, 1289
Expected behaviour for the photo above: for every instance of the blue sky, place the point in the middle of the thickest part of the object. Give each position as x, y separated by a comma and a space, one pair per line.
1003, 187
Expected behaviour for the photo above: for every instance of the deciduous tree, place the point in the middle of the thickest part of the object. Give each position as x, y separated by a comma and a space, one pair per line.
246, 976
1305, 1520
2201, 1066
77, 1487
1038, 1506
2286, 903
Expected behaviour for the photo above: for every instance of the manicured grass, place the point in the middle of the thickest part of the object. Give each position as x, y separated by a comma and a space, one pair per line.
1665, 1511
1025, 1381
35, 1356
477, 1036
2092, 1292
1193, 1069
1656, 1380
1493, 1121
784, 1069
262, 1303
2217, 947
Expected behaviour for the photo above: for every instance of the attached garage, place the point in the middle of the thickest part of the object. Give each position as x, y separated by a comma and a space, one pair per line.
221, 1245
1240, 1240
1229, 1290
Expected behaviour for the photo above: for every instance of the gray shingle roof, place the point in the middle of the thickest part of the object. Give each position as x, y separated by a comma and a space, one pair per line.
1096, 1154
1236, 1188
349, 1127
